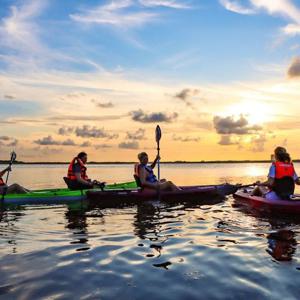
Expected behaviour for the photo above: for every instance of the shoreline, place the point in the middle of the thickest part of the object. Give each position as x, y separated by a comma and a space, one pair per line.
133, 162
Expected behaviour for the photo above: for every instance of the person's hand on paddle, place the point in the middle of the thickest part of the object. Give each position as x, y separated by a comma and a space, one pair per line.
8, 169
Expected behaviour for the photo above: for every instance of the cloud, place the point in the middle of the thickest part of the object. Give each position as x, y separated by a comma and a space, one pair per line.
86, 144
229, 125
226, 140
18, 31
137, 135
4, 138
140, 116
45, 151
129, 145
84, 118
103, 104
68, 142
8, 141
294, 68
49, 141
285, 8
102, 146
9, 97
115, 13
236, 7
185, 139
13, 143
258, 143
92, 132
186, 94
65, 130
165, 3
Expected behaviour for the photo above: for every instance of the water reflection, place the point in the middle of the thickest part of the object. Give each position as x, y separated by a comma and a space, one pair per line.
282, 244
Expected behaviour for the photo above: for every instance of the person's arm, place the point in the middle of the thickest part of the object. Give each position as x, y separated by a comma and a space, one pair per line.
4, 171
269, 182
144, 182
296, 178
81, 180
154, 162
271, 178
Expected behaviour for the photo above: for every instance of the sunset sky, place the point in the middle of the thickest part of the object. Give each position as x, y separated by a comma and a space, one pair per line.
221, 78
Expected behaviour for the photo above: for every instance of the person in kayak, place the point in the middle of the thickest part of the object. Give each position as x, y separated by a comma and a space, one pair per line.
10, 189
77, 178
146, 177
281, 178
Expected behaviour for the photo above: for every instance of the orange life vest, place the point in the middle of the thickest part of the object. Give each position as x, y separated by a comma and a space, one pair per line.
284, 184
71, 174
283, 169
150, 176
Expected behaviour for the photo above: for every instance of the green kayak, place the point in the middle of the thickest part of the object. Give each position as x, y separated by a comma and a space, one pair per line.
57, 196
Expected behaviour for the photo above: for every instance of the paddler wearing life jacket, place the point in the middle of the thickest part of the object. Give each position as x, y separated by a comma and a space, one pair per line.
145, 176
282, 178
10, 189
77, 176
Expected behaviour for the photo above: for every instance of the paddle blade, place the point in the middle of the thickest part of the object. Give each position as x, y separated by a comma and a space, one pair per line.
13, 157
157, 134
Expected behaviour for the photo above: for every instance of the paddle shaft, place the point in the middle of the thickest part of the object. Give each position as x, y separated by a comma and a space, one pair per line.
12, 159
158, 162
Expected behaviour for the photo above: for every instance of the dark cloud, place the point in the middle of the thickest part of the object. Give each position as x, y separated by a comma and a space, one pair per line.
129, 145
186, 94
13, 143
92, 132
137, 135
294, 68
49, 141
86, 144
68, 142
45, 151
258, 143
9, 97
4, 138
102, 146
65, 130
142, 117
228, 125
186, 139
8, 141
226, 140
103, 104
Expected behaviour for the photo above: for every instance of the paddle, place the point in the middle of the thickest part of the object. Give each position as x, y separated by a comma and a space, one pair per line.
157, 138
13, 157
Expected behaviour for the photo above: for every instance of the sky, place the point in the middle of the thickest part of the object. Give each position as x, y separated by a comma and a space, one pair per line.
220, 77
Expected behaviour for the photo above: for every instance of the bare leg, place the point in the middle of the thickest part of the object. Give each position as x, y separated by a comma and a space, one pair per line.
16, 189
259, 191
168, 185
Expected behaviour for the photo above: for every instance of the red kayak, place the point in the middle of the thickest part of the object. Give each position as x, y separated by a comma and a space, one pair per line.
133, 196
263, 204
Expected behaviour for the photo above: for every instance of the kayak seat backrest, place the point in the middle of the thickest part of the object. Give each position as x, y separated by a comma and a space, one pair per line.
68, 182
137, 180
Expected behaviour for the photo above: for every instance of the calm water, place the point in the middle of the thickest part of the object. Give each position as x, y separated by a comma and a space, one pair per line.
149, 251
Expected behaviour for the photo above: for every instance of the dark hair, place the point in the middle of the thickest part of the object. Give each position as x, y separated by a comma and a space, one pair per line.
279, 150
283, 157
81, 155
141, 155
